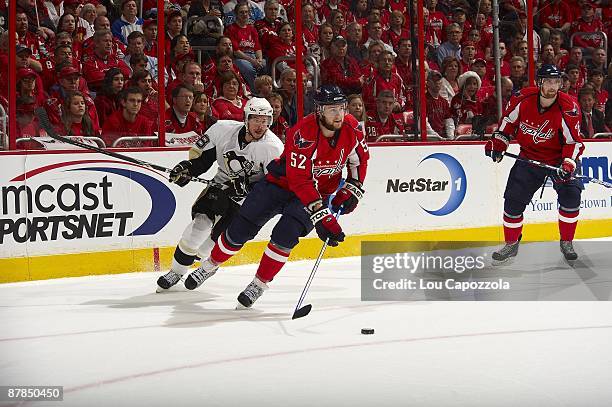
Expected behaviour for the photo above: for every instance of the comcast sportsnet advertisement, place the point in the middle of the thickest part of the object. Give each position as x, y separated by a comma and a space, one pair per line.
65, 203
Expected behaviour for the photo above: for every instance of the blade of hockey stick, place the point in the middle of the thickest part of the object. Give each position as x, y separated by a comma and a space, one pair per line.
43, 118
302, 312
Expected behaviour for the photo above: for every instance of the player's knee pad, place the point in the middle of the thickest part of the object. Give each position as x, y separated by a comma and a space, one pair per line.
288, 231
195, 234
569, 196
513, 208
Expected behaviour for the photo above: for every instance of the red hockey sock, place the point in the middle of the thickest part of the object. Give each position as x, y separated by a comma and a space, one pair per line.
513, 227
223, 250
567, 224
271, 262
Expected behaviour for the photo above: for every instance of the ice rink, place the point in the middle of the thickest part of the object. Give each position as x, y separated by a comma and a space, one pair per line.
112, 341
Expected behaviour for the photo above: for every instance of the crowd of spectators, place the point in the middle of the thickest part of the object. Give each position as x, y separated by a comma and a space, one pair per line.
93, 66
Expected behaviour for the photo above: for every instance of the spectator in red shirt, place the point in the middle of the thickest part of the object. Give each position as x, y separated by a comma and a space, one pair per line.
547, 56
588, 23
437, 20
382, 121
212, 82
438, 108
102, 59
385, 78
75, 119
465, 105
556, 40
128, 122
269, 26
310, 29
338, 22
107, 100
247, 48
179, 118
596, 79
229, 106
573, 73
468, 54
103, 23
279, 46
370, 61
29, 86
575, 57
279, 124
486, 87
554, 14
342, 70
69, 80
180, 53
150, 101
397, 29
201, 107
598, 60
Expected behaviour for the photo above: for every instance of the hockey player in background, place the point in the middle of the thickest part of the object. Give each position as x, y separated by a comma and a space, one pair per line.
545, 123
242, 151
297, 187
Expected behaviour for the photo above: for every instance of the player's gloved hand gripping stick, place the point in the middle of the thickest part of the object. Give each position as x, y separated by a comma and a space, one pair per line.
46, 125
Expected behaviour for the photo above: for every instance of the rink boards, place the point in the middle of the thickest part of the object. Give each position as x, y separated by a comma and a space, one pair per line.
80, 213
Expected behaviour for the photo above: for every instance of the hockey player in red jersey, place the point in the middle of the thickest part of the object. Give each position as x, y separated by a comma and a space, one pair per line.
297, 187
545, 123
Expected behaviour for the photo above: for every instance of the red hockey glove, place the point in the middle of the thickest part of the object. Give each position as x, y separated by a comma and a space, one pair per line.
496, 146
327, 227
348, 196
181, 173
567, 168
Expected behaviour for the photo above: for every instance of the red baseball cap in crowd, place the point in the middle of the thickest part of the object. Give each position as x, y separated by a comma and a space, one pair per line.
68, 71
147, 23
484, 62
468, 44
25, 73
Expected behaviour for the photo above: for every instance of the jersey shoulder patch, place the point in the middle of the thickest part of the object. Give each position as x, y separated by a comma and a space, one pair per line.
202, 142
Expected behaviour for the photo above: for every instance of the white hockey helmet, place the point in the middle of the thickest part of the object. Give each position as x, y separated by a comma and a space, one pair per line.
259, 107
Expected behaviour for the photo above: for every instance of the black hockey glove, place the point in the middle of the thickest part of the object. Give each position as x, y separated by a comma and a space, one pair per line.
496, 146
181, 173
348, 196
327, 227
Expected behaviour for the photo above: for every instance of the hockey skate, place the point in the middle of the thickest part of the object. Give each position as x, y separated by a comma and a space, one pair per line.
251, 293
506, 253
167, 280
206, 270
567, 248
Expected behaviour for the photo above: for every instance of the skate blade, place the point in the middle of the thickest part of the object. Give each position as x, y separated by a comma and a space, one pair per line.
509, 260
240, 307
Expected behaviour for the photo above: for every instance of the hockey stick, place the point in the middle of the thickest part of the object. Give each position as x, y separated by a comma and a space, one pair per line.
43, 118
305, 310
556, 169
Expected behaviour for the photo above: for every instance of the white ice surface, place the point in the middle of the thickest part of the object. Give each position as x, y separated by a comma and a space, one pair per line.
111, 341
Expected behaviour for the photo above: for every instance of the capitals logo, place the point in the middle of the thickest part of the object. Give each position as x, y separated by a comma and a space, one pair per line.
537, 133
300, 142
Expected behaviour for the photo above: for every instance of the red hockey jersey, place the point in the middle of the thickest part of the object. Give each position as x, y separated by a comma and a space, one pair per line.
546, 135
311, 165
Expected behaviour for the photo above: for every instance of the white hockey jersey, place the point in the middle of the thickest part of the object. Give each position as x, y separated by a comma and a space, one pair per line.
238, 160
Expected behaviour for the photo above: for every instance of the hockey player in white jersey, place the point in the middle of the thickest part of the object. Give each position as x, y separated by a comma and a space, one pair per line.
242, 152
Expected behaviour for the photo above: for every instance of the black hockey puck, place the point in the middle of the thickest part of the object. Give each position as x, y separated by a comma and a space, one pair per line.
367, 331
